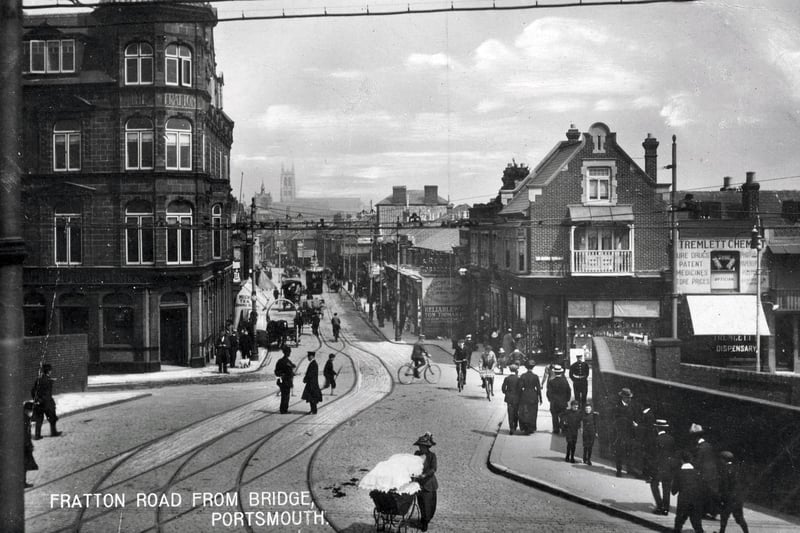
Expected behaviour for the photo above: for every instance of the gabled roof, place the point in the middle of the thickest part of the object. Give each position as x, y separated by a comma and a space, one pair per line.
542, 175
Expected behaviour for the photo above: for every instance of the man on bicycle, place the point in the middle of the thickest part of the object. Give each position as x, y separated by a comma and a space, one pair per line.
461, 360
418, 354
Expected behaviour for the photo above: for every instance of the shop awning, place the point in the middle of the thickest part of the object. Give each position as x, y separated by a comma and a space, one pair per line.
726, 314
601, 213
788, 248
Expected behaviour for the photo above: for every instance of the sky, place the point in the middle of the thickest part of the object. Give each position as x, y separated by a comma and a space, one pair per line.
358, 105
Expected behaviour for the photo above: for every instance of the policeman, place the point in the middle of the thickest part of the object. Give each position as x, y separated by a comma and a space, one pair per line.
579, 374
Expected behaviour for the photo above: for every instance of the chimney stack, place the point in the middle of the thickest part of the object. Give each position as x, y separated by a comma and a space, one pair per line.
431, 195
399, 195
650, 146
573, 134
726, 184
750, 195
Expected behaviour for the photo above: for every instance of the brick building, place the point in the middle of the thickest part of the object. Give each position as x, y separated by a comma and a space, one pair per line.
126, 183
576, 247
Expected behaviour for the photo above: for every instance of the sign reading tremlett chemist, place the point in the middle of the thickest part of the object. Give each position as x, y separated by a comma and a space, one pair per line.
711, 265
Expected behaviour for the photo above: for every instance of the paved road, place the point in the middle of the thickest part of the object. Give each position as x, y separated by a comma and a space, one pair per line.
219, 457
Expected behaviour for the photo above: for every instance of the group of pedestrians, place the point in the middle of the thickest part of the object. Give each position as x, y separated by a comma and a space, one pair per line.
231, 342
523, 396
286, 370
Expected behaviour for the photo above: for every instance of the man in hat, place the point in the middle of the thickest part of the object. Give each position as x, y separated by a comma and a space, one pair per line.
44, 404
311, 392
330, 374
558, 394
461, 360
530, 398
663, 468
646, 440
426, 497
579, 374
336, 326
418, 353
510, 389
222, 349
624, 427
730, 493
284, 371
705, 461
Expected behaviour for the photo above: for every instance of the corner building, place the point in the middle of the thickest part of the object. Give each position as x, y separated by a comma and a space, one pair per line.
126, 190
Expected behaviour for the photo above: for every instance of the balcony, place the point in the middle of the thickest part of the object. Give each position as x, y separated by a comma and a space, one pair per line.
602, 263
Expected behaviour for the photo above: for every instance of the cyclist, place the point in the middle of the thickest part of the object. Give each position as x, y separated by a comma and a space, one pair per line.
418, 354
488, 360
461, 360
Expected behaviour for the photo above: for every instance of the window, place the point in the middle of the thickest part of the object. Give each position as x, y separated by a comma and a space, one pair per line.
67, 238
179, 144
67, 145
73, 310
602, 238
139, 144
34, 310
117, 319
178, 65
52, 56
138, 64
179, 234
599, 181
139, 234
216, 231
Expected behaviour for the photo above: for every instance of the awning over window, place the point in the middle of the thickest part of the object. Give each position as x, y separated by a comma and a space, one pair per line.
726, 314
601, 213
789, 248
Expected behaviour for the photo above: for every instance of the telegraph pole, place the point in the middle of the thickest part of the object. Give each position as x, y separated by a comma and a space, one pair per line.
397, 332
12, 253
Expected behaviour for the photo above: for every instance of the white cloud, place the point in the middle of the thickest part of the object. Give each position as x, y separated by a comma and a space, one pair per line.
491, 54
427, 60
679, 110
347, 74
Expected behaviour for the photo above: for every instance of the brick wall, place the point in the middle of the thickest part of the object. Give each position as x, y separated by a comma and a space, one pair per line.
67, 353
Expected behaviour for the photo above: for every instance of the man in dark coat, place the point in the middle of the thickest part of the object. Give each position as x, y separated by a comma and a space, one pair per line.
315, 324
688, 485
706, 462
234, 343
330, 374
336, 326
510, 388
284, 371
530, 398
461, 360
558, 394
222, 350
664, 465
624, 427
311, 392
44, 404
579, 374
426, 497
730, 493
646, 441
418, 353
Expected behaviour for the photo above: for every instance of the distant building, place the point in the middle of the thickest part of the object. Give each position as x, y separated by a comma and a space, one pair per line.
126, 186
411, 205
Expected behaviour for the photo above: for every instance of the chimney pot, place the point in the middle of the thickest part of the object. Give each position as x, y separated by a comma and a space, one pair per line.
399, 195
431, 194
750, 195
573, 134
650, 146
726, 183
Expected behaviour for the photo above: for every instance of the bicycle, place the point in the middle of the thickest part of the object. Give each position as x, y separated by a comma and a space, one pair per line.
429, 371
461, 374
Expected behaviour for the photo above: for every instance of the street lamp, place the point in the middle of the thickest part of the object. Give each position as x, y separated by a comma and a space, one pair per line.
757, 242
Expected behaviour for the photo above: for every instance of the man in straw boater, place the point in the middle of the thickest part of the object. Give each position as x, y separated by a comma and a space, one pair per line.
311, 392
664, 466
426, 497
558, 394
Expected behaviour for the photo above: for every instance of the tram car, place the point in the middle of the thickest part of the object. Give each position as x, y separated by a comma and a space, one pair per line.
292, 289
314, 281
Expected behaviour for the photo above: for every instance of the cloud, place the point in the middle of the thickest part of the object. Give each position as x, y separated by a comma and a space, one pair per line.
427, 60
486, 106
679, 110
346, 74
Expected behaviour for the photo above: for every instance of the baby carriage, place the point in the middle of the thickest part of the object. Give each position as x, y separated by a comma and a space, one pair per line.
393, 510
393, 492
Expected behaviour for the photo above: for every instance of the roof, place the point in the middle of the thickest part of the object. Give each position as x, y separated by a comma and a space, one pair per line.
439, 239
601, 213
543, 174
415, 197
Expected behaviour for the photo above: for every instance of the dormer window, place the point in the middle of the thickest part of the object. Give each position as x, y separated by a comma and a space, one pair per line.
52, 56
598, 133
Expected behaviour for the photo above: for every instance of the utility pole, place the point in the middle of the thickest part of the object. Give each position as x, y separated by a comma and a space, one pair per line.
757, 243
12, 254
253, 297
397, 332
673, 206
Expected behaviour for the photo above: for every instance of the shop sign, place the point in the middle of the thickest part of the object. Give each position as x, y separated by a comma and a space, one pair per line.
734, 344
706, 265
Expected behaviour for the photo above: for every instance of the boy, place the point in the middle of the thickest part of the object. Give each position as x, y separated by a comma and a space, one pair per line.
571, 422
589, 422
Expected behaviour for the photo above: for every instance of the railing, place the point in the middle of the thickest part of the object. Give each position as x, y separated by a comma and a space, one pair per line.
602, 262
788, 299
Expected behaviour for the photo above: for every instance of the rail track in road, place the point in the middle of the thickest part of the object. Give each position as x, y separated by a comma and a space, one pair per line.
231, 453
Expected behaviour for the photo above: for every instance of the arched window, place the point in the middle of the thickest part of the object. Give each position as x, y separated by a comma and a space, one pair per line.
34, 311
138, 64
139, 144
178, 67
73, 311
216, 231
68, 236
67, 145
139, 233
179, 233
179, 144
118, 318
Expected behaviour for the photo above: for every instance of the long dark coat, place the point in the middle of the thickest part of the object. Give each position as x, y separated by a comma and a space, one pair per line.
311, 392
529, 398
511, 389
558, 393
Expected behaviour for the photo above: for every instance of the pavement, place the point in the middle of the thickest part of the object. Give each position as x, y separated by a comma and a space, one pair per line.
536, 460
